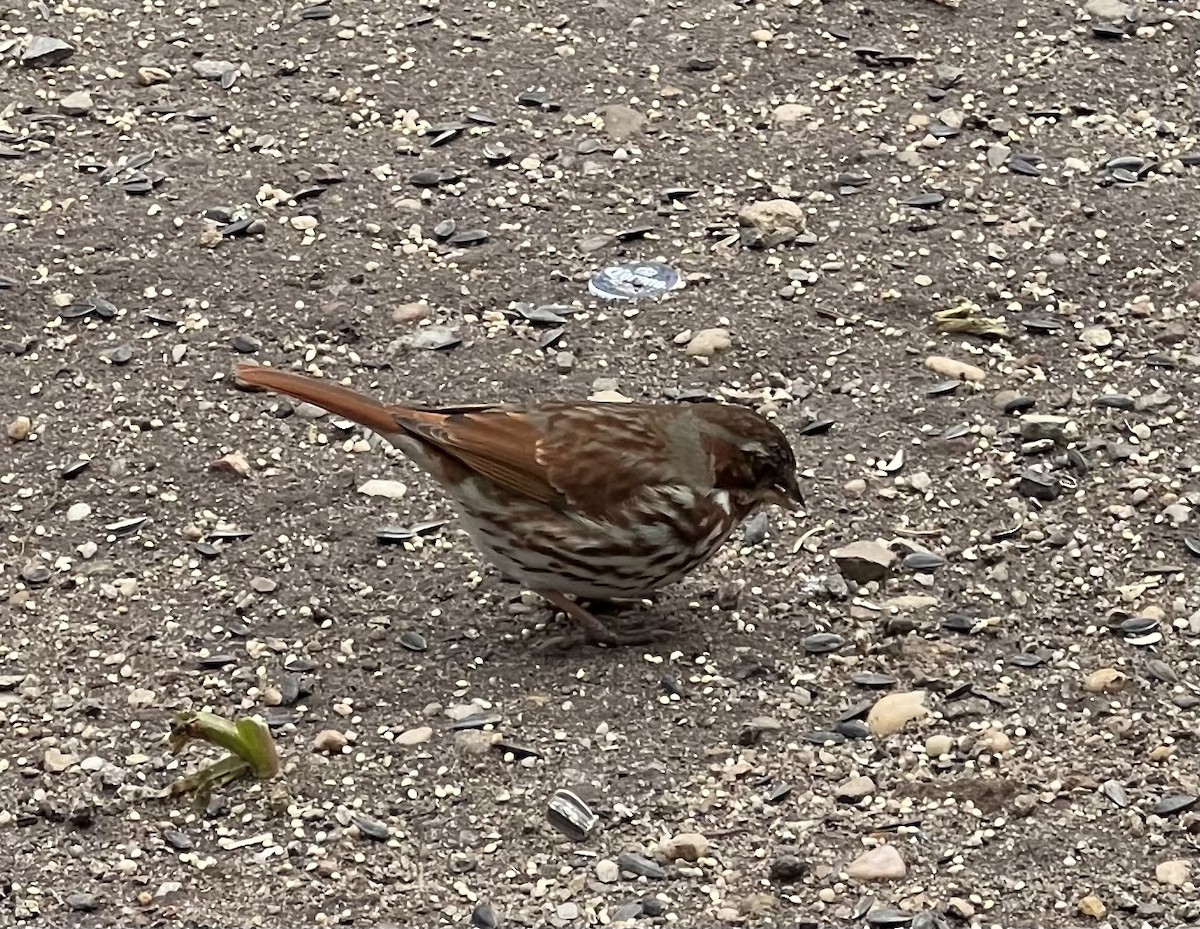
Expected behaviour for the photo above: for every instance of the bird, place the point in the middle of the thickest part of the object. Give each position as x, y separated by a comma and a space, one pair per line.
591, 500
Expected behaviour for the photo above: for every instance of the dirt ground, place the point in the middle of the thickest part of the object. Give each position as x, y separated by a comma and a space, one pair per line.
1038, 622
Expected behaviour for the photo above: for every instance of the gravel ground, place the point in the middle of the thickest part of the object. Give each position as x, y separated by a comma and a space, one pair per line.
953, 250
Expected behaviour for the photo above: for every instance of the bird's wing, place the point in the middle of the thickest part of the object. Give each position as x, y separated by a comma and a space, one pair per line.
593, 457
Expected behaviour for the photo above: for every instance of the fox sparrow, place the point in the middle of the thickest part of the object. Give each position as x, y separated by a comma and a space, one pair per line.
598, 500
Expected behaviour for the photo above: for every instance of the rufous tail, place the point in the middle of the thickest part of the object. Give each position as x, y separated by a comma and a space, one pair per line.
339, 400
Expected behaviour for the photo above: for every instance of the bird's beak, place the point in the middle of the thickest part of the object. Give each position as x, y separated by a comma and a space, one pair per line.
786, 494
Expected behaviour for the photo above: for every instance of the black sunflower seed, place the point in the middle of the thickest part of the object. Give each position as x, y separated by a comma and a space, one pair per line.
36, 574
885, 917
518, 750
103, 308
370, 828
484, 916
957, 431
75, 468
1174, 803
642, 867
943, 388
539, 98
218, 660
817, 427
496, 153
1192, 544
448, 135
207, 550
1024, 168
1115, 792
229, 535
856, 711
926, 201
246, 345
468, 237
1115, 402
320, 11
177, 840
121, 355
1137, 625
823, 737
1043, 324
567, 813
480, 118
923, 561
413, 641
675, 194
237, 227
958, 622
820, 643
549, 315
874, 681
127, 526
1109, 32
1018, 405
854, 729
1040, 486
1026, 660
477, 721
633, 233
291, 689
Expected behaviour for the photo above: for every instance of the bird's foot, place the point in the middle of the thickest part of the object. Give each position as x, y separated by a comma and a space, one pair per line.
593, 631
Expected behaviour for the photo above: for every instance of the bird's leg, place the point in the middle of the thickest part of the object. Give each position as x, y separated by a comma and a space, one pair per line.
591, 630
615, 605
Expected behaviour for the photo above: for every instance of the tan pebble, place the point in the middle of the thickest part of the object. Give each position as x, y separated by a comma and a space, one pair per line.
893, 712
708, 342
879, 864
961, 908
690, 846
271, 696
330, 741
56, 762
790, 114
20, 428
857, 486
415, 736
148, 77
411, 312
1105, 681
951, 368
855, 788
1162, 753
475, 741
1093, 906
233, 463
1173, 873
938, 745
996, 740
